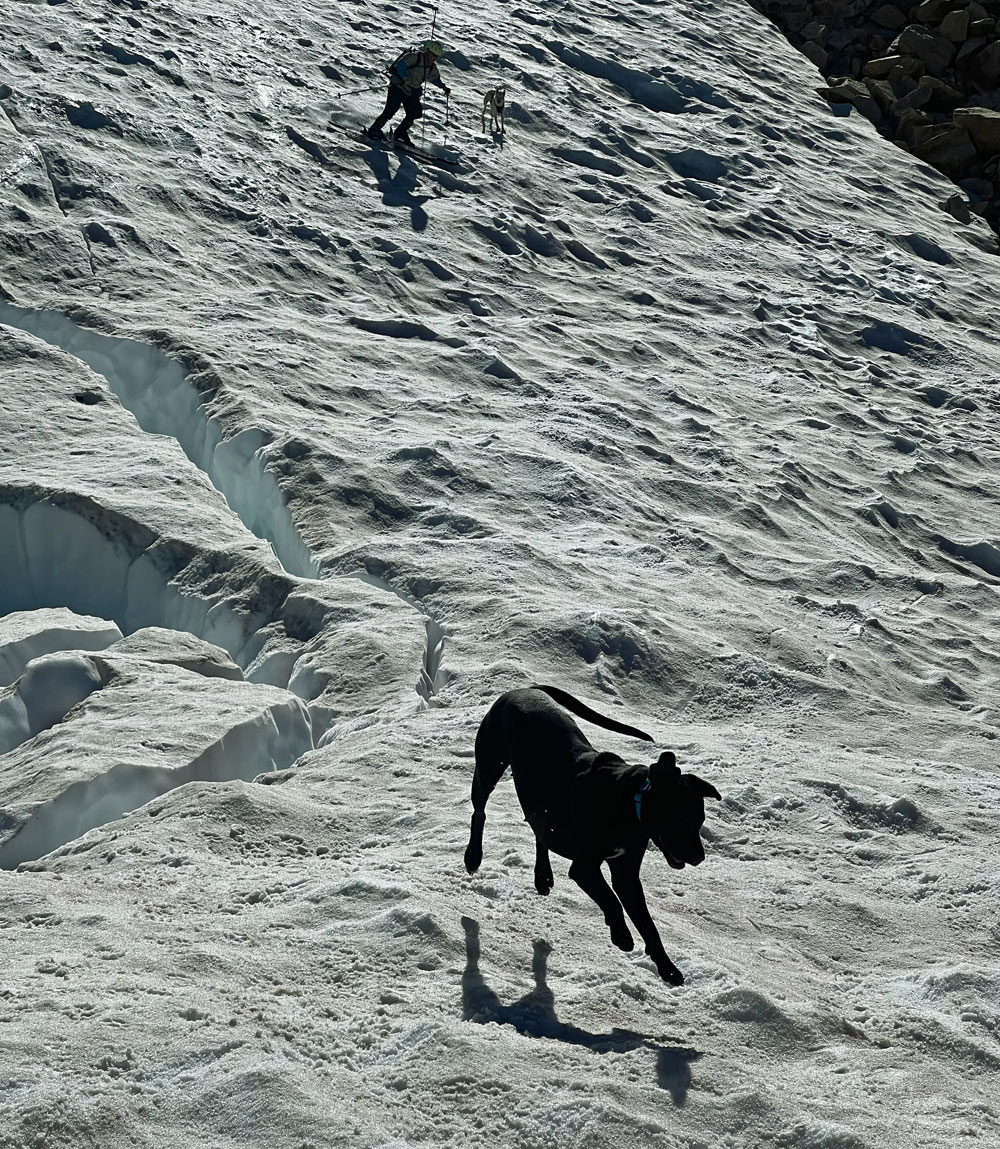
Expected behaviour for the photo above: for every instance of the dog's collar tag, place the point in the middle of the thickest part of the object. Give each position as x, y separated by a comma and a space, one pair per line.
638, 799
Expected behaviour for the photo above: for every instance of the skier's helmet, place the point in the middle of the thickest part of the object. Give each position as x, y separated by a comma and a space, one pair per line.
435, 47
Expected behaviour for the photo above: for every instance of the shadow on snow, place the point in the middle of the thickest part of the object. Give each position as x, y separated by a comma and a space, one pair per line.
397, 190
534, 1015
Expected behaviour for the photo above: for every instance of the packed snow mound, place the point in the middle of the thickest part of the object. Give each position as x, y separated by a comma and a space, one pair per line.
156, 644
84, 744
42, 696
28, 634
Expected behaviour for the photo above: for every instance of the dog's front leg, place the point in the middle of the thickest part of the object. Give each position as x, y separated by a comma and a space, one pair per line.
589, 878
628, 887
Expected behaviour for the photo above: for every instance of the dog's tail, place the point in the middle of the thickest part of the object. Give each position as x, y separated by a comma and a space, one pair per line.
578, 708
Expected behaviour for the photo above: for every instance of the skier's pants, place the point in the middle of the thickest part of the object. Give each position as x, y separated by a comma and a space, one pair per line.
397, 98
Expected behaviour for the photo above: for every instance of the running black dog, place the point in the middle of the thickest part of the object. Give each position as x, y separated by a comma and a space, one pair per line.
588, 806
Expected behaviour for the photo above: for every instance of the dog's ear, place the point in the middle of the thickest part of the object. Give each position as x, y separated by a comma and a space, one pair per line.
665, 769
700, 786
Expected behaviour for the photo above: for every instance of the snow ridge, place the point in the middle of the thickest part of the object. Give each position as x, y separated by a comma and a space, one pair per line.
271, 740
155, 388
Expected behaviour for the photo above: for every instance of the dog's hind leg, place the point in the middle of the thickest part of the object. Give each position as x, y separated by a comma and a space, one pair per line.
490, 768
589, 878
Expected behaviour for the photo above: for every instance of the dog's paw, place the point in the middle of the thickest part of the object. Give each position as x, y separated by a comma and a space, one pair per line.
622, 938
544, 883
670, 973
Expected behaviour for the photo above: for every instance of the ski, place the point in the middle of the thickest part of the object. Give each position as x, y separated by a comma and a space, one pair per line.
391, 145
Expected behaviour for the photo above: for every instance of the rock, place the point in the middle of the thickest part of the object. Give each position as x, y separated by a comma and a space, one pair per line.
985, 68
941, 97
983, 127
956, 207
968, 50
853, 92
814, 31
881, 66
818, 55
947, 147
933, 50
933, 11
978, 191
916, 99
910, 120
955, 27
908, 67
889, 16
881, 92
984, 28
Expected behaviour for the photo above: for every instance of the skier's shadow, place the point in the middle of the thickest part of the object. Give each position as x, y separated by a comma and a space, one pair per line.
534, 1015
397, 190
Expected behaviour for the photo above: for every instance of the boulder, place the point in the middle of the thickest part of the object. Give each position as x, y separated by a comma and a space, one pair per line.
911, 120
853, 92
941, 97
968, 50
984, 71
920, 96
881, 66
881, 92
956, 207
889, 16
933, 11
933, 50
947, 147
818, 55
978, 190
955, 26
908, 68
983, 126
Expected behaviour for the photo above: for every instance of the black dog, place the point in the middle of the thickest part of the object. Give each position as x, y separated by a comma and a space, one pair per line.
589, 807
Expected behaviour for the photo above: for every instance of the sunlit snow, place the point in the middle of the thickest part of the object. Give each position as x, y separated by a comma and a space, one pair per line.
680, 394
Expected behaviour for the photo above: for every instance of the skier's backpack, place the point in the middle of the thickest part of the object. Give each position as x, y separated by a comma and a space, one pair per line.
397, 67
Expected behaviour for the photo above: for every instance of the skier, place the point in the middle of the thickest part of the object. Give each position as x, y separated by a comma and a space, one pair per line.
407, 75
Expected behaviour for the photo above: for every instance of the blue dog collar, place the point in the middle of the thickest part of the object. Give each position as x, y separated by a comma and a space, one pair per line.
638, 799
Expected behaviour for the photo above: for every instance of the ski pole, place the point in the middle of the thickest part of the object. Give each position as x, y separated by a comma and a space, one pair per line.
356, 91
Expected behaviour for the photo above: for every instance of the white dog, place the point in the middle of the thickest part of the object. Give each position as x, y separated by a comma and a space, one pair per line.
494, 100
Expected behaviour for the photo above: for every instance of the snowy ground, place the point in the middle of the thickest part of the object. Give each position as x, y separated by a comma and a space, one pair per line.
681, 395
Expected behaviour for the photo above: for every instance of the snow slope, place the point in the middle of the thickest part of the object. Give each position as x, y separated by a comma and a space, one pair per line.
680, 395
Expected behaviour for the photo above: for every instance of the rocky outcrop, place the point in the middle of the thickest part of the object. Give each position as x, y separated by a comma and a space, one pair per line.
926, 74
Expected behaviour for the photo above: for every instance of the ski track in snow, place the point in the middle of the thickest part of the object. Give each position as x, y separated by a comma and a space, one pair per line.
682, 395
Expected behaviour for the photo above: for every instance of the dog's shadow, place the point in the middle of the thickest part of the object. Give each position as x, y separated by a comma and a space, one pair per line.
397, 190
534, 1015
